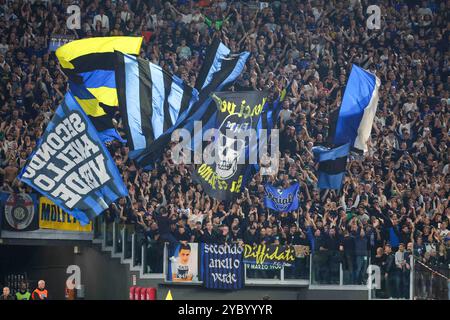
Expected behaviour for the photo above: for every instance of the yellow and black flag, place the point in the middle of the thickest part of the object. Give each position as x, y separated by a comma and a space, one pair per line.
89, 64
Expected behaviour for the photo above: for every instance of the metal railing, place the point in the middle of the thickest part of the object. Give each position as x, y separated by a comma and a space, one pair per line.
318, 270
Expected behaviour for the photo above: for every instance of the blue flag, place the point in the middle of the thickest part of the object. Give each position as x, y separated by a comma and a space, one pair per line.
332, 165
221, 266
283, 200
359, 105
218, 73
72, 167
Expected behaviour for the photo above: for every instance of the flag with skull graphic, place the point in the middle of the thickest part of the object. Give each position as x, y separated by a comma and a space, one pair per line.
227, 162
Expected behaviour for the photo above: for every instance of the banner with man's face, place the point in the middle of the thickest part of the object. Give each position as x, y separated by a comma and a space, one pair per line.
227, 162
183, 263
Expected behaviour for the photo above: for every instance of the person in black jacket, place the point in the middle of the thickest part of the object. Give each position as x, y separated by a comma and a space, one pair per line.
333, 256
225, 237
164, 221
389, 265
181, 235
320, 257
347, 249
250, 236
379, 260
208, 235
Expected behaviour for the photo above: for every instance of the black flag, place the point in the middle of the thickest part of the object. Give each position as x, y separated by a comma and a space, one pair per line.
236, 121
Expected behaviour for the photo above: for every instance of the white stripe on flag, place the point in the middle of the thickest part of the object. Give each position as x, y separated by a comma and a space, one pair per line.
158, 95
365, 126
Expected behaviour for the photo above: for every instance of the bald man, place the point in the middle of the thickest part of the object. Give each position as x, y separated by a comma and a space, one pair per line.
6, 294
40, 293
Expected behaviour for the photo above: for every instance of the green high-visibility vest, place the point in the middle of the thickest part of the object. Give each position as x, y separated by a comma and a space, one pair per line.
23, 296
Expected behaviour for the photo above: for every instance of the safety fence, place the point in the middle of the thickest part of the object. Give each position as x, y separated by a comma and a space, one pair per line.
317, 270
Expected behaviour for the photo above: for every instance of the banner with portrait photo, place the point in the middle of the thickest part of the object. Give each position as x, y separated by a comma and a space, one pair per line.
238, 113
183, 263
53, 217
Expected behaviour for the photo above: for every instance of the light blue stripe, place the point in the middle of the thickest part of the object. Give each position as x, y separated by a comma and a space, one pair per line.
358, 92
324, 154
133, 103
99, 78
222, 52
158, 95
175, 97
236, 71
92, 203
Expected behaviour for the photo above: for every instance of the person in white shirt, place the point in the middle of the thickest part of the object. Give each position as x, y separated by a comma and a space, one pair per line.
103, 18
125, 14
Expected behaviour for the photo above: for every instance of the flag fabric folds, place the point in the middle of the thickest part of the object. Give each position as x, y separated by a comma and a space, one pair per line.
150, 99
268, 121
218, 73
282, 200
100, 115
332, 165
72, 167
89, 64
358, 108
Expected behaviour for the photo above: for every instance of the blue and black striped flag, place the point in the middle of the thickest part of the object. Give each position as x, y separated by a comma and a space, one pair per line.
353, 121
150, 99
218, 73
332, 165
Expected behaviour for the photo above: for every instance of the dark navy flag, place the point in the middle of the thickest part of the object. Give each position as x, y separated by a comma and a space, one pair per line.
359, 104
222, 266
236, 118
283, 200
72, 167
332, 165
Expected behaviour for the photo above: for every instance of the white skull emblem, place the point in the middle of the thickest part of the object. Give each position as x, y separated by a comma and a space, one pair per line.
229, 147
228, 157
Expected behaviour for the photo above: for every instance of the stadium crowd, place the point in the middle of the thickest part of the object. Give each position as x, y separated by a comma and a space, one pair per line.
395, 199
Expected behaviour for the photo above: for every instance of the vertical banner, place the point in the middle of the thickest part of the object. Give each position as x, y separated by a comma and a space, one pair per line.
222, 266
53, 217
183, 263
236, 120
19, 212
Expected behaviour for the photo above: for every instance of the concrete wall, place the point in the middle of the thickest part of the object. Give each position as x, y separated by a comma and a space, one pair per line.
106, 278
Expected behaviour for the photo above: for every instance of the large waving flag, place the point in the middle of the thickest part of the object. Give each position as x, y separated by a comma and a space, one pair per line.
217, 74
72, 167
227, 174
150, 99
332, 165
359, 105
90, 64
